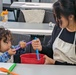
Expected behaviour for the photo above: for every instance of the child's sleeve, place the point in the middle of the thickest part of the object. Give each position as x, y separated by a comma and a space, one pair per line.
5, 57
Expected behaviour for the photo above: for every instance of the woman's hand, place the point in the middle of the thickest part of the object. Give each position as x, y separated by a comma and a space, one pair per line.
22, 44
49, 60
36, 44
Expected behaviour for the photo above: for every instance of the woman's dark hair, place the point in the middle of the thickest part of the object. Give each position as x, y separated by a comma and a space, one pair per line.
57, 11
5, 34
65, 8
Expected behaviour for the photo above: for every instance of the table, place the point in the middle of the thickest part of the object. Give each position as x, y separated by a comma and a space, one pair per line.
30, 69
45, 70
28, 28
32, 5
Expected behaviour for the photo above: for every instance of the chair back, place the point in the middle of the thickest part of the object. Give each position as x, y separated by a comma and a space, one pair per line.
13, 1
48, 17
46, 39
47, 1
19, 37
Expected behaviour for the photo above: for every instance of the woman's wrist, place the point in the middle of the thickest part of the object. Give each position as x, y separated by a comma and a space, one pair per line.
53, 62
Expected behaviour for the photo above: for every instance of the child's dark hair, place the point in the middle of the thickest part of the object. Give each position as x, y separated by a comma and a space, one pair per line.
65, 8
5, 34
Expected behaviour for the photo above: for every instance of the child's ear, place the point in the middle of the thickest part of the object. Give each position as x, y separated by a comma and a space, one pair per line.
71, 17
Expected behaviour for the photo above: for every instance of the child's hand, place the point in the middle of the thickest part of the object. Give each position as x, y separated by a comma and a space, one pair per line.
11, 51
22, 44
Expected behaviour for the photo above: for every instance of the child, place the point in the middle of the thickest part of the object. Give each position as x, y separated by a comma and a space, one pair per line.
5, 45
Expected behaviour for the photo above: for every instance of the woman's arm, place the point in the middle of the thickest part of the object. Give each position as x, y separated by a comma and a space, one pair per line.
63, 63
51, 61
48, 48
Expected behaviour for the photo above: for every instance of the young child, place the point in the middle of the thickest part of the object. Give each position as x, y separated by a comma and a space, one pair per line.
5, 45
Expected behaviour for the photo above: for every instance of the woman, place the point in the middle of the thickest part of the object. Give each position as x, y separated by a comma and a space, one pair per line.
61, 47
6, 52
